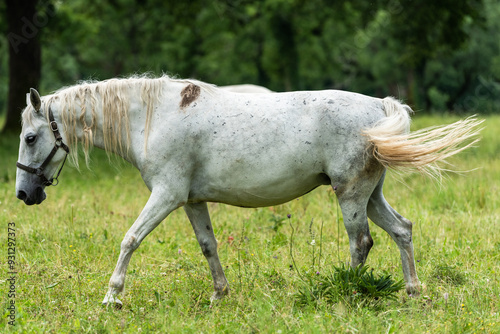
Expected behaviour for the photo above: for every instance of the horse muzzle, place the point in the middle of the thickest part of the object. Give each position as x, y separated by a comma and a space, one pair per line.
35, 196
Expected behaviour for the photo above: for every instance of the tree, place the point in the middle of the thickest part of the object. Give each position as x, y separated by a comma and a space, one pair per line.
417, 51
23, 27
429, 28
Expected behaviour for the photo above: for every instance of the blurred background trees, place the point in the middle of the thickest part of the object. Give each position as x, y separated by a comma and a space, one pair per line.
435, 55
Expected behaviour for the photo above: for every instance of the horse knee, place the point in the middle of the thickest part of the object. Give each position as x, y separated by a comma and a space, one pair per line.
208, 248
129, 243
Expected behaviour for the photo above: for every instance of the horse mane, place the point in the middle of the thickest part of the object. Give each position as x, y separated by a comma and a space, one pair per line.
78, 107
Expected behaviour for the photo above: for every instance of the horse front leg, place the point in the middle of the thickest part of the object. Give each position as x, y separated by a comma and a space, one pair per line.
159, 205
202, 226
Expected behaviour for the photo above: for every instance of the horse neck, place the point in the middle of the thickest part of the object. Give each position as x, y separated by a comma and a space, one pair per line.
96, 122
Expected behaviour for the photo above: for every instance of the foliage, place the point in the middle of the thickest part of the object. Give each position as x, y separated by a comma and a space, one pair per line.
356, 287
435, 55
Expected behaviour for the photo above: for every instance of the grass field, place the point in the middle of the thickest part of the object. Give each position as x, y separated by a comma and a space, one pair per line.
66, 250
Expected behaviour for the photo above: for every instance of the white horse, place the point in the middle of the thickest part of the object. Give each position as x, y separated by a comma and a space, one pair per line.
194, 143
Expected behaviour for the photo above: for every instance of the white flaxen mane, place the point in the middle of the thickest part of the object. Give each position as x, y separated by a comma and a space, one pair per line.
79, 106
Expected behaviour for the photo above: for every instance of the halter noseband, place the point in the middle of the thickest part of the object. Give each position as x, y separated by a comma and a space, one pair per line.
58, 144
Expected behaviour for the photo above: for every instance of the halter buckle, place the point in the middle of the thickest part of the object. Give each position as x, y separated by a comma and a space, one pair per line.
53, 126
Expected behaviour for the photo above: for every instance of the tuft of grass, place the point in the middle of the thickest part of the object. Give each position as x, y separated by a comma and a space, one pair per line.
448, 274
352, 286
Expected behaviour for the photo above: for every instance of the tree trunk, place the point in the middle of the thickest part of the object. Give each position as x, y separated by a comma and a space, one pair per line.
24, 57
283, 31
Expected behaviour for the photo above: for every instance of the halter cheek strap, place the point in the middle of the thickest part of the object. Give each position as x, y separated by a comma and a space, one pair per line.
58, 144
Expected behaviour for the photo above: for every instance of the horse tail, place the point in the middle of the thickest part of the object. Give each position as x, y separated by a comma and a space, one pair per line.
424, 150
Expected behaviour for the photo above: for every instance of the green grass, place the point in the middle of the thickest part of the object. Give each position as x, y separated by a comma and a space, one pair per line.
68, 246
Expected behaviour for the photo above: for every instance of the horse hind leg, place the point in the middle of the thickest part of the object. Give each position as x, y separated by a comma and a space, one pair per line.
353, 208
400, 230
202, 226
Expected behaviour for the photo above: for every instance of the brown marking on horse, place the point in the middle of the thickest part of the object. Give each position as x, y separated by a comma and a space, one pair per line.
189, 94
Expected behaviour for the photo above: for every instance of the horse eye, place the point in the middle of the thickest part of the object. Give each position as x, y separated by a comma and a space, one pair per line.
30, 139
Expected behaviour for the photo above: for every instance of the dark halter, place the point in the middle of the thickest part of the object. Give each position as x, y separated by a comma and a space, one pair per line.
58, 144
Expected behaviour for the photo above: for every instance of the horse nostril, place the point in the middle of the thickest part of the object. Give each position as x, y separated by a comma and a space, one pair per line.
39, 195
22, 195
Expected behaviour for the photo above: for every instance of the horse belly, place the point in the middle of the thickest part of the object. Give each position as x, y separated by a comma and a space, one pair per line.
257, 189
259, 172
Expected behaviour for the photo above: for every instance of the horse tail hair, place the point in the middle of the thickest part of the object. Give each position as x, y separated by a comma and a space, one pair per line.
425, 150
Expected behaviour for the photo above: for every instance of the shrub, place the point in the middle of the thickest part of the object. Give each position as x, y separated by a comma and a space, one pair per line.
352, 286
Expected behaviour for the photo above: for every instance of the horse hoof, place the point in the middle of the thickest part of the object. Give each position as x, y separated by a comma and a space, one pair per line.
220, 294
112, 301
216, 296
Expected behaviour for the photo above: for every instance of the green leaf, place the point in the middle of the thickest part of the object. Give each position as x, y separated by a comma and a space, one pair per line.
50, 286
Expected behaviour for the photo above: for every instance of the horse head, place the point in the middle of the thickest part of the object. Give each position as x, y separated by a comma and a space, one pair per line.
39, 154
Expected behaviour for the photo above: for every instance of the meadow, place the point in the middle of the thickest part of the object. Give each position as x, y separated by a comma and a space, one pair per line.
67, 247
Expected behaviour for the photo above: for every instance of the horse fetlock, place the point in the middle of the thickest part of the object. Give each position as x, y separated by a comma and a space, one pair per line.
116, 285
413, 289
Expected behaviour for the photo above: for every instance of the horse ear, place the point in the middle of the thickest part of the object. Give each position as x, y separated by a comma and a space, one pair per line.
36, 102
